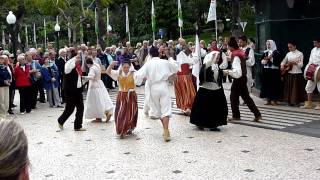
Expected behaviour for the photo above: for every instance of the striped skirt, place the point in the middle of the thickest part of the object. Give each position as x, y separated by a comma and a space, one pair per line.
185, 89
126, 112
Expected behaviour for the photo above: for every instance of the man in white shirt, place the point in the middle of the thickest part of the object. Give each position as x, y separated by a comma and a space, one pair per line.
157, 71
243, 43
311, 85
73, 93
239, 88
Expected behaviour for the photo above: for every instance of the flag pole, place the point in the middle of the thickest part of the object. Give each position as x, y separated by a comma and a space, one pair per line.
45, 34
27, 43
216, 24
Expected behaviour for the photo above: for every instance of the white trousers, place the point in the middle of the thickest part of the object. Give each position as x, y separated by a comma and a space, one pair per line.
4, 101
160, 100
311, 85
249, 78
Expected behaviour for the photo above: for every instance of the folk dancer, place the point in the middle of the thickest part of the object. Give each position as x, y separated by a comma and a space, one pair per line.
239, 84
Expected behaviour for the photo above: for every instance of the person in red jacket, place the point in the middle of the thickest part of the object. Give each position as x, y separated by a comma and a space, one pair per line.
23, 84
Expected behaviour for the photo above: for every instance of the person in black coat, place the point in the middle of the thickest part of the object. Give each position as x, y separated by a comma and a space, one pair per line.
60, 62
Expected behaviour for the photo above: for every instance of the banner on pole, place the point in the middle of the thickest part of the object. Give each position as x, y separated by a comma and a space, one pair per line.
212, 16
180, 20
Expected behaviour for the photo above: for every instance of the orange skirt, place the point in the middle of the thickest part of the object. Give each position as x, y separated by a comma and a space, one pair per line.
126, 112
185, 89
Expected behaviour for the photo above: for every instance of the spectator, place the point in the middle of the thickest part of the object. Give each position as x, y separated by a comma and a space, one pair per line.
14, 161
23, 83
50, 76
5, 79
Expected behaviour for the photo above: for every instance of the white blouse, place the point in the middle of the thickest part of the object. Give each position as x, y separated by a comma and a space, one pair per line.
294, 56
315, 56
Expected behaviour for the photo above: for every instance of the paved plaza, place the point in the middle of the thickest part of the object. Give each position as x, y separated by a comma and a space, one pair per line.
239, 151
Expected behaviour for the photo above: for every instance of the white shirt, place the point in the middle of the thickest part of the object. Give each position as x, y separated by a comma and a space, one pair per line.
315, 56
157, 70
69, 66
8, 69
294, 56
251, 60
182, 58
236, 71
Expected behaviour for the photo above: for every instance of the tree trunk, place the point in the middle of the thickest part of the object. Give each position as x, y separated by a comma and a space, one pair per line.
101, 25
74, 35
236, 29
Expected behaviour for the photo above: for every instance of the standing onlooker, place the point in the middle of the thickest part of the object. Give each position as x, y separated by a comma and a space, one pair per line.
5, 78
50, 75
143, 53
293, 83
35, 76
271, 78
23, 83
9, 63
60, 62
134, 59
38, 80
14, 162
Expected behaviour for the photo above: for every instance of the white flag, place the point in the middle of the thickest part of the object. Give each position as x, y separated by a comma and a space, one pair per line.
34, 34
196, 67
127, 22
180, 21
3, 38
212, 16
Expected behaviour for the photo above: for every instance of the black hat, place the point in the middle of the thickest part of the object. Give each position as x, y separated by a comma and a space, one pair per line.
154, 52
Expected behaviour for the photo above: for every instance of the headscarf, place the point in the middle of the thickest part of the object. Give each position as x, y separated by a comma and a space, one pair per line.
273, 46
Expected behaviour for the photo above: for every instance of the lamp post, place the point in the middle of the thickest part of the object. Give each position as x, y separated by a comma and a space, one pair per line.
11, 20
109, 29
57, 30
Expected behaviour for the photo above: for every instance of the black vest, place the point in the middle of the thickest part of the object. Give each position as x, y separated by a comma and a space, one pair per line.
70, 82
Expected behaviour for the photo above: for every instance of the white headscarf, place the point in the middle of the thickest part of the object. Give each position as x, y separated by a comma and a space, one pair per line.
273, 46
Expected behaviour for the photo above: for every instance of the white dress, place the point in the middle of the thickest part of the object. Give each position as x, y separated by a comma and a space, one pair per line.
98, 101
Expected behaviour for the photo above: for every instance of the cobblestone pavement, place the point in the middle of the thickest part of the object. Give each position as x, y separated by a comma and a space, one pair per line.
237, 152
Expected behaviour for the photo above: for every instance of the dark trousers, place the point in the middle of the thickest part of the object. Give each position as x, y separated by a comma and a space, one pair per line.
239, 88
225, 78
42, 97
11, 96
36, 88
73, 100
25, 99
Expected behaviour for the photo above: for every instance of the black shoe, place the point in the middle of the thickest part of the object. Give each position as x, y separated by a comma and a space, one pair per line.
13, 105
42, 101
10, 112
200, 128
215, 129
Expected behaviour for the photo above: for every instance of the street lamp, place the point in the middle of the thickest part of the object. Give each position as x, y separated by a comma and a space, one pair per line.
11, 20
109, 28
57, 30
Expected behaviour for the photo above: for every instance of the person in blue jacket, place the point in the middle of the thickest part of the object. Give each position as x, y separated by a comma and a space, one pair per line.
50, 75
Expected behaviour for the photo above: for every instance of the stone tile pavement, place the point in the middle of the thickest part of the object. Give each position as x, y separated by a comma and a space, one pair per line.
237, 152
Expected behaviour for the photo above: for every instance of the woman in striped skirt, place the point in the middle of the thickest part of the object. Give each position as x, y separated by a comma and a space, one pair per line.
126, 111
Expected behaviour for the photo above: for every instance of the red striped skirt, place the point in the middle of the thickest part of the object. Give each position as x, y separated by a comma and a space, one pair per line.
185, 89
126, 112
